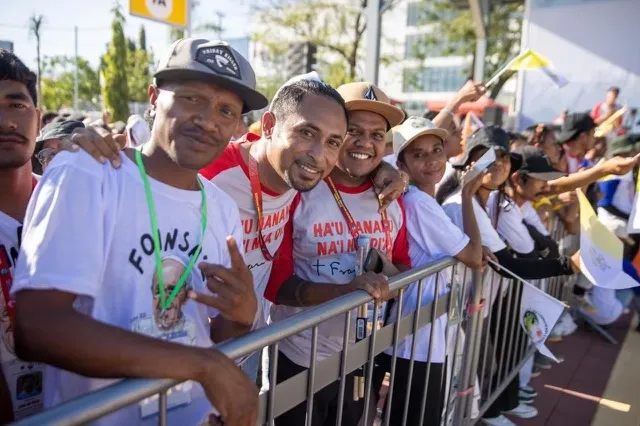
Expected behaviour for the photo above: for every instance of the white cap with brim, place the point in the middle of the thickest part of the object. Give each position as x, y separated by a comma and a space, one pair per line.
413, 128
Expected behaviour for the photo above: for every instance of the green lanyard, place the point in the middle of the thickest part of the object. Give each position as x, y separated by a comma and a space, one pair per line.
164, 304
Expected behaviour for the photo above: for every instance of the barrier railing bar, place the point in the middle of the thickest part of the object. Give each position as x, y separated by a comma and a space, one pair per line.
312, 375
273, 369
343, 368
371, 363
475, 355
162, 405
494, 340
405, 411
103, 401
423, 405
394, 358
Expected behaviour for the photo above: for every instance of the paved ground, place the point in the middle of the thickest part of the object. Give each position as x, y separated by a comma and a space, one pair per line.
579, 390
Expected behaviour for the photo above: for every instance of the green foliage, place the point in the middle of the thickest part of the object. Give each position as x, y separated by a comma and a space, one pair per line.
138, 76
175, 34
452, 34
142, 38
58, 82
115, 92
35, 30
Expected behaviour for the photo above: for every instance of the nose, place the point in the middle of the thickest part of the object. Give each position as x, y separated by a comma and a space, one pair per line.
6, 123
204, 119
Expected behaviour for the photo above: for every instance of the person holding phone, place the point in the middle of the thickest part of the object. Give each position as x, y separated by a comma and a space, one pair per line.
316, 261
419, 145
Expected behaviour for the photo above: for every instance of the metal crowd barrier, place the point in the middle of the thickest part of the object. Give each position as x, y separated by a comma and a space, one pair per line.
495, 348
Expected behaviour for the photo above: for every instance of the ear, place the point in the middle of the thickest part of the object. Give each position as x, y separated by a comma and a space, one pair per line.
402, 166
39, 118
153, 93
268, 124
515, 178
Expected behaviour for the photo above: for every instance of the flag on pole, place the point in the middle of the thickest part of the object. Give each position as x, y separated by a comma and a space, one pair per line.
539, 313
601, 259
475, 121
529, 60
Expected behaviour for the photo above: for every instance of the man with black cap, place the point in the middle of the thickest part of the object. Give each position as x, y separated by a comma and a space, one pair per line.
576, 137
90, 269
50, 141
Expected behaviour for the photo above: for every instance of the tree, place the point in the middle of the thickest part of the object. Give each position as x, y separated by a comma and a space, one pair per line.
138, 76
336, 27
452, 34
115, 92
142, 38
58, 83
35, 28
175, 34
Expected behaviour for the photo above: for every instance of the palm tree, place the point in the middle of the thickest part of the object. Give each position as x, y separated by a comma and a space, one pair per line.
35, 26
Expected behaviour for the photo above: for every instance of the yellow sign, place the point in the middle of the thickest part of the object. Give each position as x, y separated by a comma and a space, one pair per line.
172, 12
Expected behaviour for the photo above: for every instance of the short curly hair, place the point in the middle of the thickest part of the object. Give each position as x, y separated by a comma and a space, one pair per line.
12, 68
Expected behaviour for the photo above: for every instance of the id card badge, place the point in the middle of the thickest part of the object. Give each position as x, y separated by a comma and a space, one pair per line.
177, 396
182, 333
25, 385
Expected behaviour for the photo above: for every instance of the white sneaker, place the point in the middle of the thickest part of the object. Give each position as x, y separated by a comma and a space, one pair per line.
523, 411
498, 421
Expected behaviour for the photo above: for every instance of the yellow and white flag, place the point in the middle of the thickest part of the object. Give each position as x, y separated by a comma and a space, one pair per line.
529, 60
601, 259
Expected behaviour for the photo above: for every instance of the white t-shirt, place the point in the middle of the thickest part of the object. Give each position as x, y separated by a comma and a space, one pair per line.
321, 249
511, 225
532, 218
80, 237
490, 237
448, 172
24, 379
573, 163
432, 236
231, 174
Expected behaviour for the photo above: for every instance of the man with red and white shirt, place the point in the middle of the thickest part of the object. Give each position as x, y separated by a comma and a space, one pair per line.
317, 259
301, 136
602, 111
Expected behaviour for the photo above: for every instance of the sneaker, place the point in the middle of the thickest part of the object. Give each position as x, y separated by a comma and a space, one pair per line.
585, 304
523, 411
498, 421
527, 400
543, 363
528, 391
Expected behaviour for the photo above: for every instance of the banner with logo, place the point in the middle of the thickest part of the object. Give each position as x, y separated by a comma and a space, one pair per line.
601, 251
539, 313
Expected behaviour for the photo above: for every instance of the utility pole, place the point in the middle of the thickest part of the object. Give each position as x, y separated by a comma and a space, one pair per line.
372, 65
75, 73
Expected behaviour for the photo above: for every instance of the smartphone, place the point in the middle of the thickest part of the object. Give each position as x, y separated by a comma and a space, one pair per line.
373, 262
480, 166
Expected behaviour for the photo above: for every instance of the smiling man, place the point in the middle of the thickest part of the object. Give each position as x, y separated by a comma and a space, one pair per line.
317, 259
86, 276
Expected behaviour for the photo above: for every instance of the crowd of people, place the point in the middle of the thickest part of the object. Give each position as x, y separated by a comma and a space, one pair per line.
128, 250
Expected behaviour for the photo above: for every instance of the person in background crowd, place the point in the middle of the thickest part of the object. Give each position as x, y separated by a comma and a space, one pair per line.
304, 272
602, 111
449, 194
256, 128
118, 128
137, 131
48, 117
543, 136
576, 137
194, 101
50, 141
19, 124
419, 145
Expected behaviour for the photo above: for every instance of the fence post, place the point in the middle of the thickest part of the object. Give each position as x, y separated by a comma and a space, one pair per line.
470, 355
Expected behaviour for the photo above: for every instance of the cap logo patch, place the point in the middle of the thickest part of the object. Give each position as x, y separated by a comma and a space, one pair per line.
371, 95
220, 60
416, 123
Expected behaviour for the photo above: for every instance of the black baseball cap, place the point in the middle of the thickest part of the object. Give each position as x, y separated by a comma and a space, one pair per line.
212, 61
56, 130
488, 137
573, 125
536, 164
627, 144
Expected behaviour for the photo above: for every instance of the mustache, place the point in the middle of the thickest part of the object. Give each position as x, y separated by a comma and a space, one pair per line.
14, 134
198, 133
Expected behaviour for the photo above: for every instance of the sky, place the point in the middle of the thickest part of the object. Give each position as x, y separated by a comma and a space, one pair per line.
94, 20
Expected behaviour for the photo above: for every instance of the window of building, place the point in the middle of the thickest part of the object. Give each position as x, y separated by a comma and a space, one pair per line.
433, 79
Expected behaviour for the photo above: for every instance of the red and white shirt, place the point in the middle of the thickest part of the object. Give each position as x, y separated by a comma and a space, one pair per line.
318, 247
231, 174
